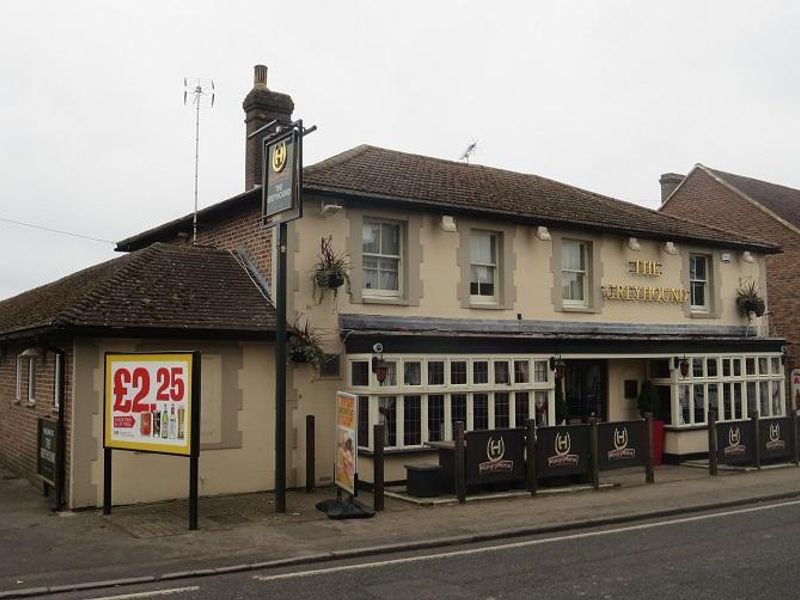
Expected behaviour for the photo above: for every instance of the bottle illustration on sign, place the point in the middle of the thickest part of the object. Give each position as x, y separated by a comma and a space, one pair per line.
172, 423
164, 423
156, 421
146, 420
181, 421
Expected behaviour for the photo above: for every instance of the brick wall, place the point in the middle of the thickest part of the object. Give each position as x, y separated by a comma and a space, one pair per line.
702, 198
19, 418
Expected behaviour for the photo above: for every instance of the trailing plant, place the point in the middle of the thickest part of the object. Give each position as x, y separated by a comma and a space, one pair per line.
749, 300
562, 409
648, 400
304, 346
332, 270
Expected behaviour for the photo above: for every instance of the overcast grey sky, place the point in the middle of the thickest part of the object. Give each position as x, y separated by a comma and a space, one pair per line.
605, 95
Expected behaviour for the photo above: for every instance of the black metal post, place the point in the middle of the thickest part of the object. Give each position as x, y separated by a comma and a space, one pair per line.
106, 481
194, 450
795, 439
712, 441
280, 372
61, 442
378, 436
756, 440
595, 453
310, 454
530, 455
649, 459
459, 458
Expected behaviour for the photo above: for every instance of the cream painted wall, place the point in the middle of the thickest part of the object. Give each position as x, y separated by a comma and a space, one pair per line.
686, 442
394, 465
247, 382
620, 408
440, 274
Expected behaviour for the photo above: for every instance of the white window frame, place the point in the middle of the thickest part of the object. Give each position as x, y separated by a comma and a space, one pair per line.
57, 381
18, 390
585, 273
494, 236
372, 292
31, 381
706, 307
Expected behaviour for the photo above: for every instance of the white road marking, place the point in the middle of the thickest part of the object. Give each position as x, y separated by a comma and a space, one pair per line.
485, 549
150, 594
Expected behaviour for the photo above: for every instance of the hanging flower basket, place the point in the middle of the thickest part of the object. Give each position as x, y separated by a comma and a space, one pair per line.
750, 301
331, 272
304, 346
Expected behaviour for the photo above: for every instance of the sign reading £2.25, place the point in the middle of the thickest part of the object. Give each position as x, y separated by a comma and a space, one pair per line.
148, 402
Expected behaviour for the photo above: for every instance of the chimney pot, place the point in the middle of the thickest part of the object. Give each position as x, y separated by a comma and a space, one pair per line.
669, 181
260, 77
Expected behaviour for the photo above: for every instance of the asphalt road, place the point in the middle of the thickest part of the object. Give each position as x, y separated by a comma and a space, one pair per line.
750, 552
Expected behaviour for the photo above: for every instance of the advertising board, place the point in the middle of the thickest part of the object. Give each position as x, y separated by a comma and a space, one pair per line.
346, 442
735, 442
621, 444
280, 196
495, 456
776, 438
563, 450
794, 403
148, 402
47, 447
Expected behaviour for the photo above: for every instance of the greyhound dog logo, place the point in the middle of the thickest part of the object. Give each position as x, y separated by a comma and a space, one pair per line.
735, 446
562, 444
621, 450
495, 449
775, 442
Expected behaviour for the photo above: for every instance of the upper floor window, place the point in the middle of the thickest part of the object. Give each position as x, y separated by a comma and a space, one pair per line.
483, 266
382, 258
698, 281
575, 273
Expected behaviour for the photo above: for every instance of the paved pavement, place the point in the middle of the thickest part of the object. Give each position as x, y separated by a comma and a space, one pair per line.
46, 549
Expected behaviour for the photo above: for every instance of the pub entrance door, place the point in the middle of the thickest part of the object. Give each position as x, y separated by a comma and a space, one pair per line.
585, 385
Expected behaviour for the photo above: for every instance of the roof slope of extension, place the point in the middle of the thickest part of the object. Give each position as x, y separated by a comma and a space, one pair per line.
162, 288
779, 199
380, 175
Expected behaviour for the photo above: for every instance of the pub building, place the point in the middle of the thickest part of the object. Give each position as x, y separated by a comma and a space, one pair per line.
473, 293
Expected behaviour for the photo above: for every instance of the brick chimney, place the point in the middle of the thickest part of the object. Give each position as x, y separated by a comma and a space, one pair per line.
260, 107
669, 181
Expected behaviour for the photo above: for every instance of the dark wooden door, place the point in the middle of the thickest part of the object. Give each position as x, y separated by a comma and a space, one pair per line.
585, 388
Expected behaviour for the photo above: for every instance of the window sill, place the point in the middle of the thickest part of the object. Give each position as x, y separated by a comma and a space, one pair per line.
702, 314
384, 300
398, 451
579, 309
487, 305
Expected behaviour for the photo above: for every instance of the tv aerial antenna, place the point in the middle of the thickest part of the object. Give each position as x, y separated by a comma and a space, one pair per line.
471, 149
200, 92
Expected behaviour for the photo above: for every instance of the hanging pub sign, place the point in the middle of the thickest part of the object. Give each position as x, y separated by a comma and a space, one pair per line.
47, 447
775, 438
562, 450
346, 442
281, 177
735, 442
495, 456
621, 444
148, 402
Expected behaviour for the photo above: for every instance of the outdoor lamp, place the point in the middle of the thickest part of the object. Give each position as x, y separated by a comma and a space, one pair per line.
682, 364
378, 364
558, 365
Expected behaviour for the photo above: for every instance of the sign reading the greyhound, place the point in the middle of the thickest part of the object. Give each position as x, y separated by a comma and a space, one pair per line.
495, 456
346, 442
563, 450
148, 402
734, 442
621, 444
775, 437
280, 166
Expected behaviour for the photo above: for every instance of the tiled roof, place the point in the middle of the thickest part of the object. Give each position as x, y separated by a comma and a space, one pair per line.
162, 287
377, 173
783, 201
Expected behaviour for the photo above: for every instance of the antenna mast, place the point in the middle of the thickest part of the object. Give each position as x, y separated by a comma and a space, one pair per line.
467, 154
202, 92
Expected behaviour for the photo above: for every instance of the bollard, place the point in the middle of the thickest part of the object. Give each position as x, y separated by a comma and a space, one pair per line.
379, 439
459, 459
595, 453
756, 440
530, 455
649, 459
310, 454
712, 441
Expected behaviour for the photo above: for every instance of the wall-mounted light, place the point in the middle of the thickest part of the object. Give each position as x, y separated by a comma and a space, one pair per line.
543, 233
633, 244
726, 257
330, 209
682, 364
378, 364
448, 223
748, 257
669, 248
558, 365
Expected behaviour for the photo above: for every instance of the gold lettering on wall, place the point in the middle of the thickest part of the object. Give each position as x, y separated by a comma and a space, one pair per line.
648, 268
641, 293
